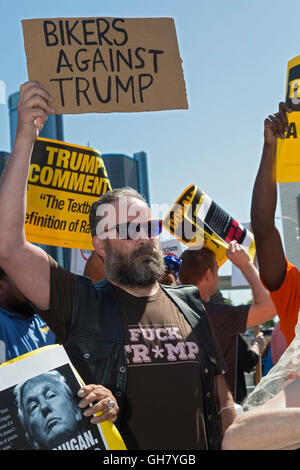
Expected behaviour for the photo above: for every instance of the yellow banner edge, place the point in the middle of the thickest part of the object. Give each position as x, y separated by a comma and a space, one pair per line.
44, 139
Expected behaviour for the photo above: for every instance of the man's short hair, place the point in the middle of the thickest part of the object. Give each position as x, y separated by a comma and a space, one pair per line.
111, 197
194, 265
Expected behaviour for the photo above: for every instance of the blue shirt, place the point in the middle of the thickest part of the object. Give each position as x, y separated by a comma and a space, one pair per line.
20, 335
267, 362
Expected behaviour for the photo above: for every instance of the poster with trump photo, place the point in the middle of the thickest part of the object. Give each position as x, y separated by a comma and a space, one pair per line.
39, 406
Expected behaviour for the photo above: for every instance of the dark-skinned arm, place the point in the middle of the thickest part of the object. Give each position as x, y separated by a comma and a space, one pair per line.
269, 249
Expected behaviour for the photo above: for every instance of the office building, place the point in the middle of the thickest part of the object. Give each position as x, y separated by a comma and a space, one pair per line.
123, 170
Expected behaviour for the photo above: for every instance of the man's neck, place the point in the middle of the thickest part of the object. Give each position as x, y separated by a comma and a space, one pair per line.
139, 291
204, 293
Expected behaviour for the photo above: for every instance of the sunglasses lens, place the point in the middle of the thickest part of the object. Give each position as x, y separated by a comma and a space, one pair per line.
123, 231
154, 228
131, 230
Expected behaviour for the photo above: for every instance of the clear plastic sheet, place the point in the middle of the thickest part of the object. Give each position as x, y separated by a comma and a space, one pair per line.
285, 371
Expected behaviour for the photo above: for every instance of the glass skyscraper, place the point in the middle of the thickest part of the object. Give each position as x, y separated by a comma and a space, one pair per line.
123, 170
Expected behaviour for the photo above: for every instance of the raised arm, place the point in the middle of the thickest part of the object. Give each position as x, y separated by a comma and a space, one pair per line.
270, 253
26, 264
262, 308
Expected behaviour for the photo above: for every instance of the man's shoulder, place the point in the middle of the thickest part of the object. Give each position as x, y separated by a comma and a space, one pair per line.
291, 280
185, 295
226, 311
180, 288
291, 269
183, 291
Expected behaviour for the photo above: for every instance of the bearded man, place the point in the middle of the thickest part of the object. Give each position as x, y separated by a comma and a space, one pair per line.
149, 345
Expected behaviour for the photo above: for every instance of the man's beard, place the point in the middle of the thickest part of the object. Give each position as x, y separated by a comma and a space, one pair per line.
140, 268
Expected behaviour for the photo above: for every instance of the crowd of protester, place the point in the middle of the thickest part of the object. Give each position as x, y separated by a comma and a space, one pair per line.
165, 313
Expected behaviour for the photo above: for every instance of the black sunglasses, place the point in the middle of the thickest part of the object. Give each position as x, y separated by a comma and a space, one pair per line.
132, 230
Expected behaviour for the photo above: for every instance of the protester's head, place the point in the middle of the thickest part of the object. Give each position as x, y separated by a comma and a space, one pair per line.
172, 267
199, 267
112, 197
126, 238
11, 298
47, 410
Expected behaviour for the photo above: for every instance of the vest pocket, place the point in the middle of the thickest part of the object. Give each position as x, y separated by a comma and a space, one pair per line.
92, 359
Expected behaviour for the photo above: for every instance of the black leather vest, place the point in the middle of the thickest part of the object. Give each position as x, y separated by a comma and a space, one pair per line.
96, 343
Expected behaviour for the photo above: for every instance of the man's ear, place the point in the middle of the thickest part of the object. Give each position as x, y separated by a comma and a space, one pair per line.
99, 246
208, 274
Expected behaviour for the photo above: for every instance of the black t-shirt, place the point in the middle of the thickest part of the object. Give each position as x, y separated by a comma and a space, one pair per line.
227, 322
164, 402
247, 360
164, 406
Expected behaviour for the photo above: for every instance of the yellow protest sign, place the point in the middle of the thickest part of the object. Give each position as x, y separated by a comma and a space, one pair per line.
288, 149
63, 181
103, 65
197, 221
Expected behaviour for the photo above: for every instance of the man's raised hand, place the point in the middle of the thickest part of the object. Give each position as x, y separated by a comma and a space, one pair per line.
33, 108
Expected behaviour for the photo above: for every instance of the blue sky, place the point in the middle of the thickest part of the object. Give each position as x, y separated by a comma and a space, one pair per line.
235, 56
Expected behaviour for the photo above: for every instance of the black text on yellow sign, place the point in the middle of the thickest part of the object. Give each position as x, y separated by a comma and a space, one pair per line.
197, 221
63, 181
288, 149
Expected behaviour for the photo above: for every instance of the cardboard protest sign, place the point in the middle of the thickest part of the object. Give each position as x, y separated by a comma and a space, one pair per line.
47, 374
64, 180
288, 149
103, 65
197, 221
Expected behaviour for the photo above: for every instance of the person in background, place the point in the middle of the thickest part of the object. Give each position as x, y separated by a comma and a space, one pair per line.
200, 267
278, 343
21, 329
247, 360
173, 265
277, 273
